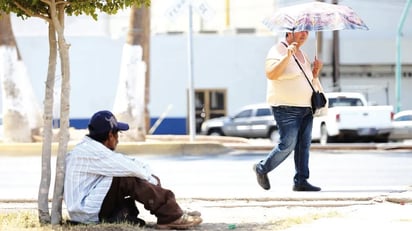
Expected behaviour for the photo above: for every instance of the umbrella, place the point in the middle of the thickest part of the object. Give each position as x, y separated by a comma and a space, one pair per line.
314, 16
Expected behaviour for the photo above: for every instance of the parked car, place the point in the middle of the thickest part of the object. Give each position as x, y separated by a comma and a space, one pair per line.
402, 126
251, 121
350, 118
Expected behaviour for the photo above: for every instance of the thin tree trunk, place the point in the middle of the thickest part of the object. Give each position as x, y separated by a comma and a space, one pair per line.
56, 215
43, 197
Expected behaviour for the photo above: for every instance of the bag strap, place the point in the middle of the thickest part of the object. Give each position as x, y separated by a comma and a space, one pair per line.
297, 61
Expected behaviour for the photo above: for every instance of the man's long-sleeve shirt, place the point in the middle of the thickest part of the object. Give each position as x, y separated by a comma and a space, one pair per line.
90, 168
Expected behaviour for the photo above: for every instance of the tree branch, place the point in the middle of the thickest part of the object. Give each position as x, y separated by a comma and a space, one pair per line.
30, 13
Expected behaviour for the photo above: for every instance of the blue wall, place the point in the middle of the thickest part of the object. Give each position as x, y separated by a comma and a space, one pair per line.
175, 126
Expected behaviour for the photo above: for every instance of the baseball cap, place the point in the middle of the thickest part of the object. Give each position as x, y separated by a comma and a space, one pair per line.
104, 121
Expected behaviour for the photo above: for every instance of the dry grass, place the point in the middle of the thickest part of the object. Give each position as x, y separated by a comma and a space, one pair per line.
28, 220
292, 221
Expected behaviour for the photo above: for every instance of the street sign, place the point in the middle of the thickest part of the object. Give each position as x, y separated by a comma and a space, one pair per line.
176, 9
203, 9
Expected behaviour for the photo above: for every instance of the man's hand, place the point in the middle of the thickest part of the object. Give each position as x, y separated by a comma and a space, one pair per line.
158, 179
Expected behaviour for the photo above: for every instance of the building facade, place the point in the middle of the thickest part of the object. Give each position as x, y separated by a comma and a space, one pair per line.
228, 62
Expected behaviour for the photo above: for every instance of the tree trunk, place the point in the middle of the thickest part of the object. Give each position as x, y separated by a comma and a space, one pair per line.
133, 90
7, 35
58, 23
21, 112
141, 21
43, 197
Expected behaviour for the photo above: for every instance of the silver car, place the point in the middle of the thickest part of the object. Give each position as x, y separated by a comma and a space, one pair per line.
251, 121
402, 126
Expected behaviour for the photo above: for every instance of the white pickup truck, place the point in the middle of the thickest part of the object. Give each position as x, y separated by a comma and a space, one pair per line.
349, 118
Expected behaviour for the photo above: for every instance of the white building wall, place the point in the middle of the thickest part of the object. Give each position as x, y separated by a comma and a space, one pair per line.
232, 62
222, 60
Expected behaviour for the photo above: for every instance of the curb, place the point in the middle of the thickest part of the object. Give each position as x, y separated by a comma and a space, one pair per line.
404, 197
203, 145
173, 148
165, 148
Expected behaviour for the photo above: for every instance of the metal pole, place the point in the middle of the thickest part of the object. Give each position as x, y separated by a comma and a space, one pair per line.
227, 14
192, 125
398, 56
319, 42
335, 58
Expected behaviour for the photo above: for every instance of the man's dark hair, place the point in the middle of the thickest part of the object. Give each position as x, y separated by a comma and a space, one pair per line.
99, 137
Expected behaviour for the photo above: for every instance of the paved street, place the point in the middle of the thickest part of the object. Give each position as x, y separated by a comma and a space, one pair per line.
231, 175
358, 190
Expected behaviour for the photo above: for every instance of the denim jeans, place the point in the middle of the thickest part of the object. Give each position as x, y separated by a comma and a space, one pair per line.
295, 131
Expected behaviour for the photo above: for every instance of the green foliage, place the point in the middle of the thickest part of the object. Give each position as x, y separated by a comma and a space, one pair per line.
24, 8
37, 8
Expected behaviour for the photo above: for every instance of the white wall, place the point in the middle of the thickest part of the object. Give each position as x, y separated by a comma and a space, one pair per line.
223, 60
232, 62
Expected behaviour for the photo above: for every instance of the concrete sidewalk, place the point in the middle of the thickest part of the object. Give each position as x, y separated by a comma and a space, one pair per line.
318, 211
305, 213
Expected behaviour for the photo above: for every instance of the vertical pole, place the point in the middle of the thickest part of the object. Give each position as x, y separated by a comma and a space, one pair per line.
335, 59
227, 14
398, 56
319, 42
192, 125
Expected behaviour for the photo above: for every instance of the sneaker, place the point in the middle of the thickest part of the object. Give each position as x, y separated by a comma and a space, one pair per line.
262, 179
186, 221
305, 187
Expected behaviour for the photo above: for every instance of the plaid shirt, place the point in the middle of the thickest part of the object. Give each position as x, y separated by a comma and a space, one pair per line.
90, 168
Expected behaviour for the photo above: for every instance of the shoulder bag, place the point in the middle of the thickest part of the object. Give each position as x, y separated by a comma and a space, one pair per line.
318, 99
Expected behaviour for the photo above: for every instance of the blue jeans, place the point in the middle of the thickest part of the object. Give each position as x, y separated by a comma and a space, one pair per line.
295, 130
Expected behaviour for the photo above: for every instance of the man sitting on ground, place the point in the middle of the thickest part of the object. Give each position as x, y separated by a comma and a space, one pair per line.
102, 186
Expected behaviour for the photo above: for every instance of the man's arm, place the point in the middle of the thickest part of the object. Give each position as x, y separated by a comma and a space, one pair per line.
118, 165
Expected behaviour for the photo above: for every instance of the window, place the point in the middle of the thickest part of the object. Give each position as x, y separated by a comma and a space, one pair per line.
243, 114
405, 118
264, 112
209, 103
345, 102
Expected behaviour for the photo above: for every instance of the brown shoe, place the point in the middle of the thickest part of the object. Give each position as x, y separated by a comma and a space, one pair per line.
186, 221
193, 213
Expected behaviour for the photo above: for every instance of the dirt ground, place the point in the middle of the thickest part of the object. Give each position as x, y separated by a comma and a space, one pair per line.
265, 215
